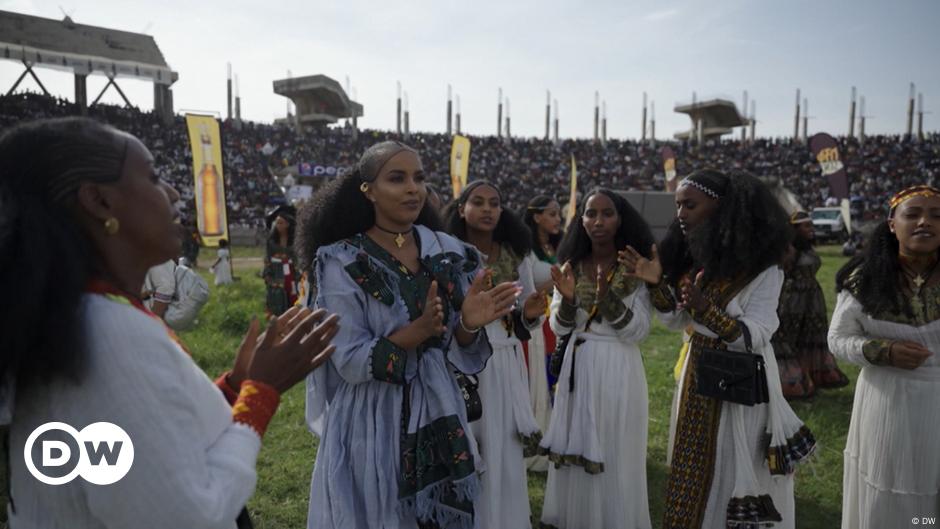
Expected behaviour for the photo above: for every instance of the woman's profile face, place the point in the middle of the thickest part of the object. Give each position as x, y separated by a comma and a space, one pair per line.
145, 207
549, 219
693, 207
482, 209
916, 223
399, 191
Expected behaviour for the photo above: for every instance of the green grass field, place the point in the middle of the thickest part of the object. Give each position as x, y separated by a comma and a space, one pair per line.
287, 457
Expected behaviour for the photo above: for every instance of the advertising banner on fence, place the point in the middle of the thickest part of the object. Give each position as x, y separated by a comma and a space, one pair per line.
209, 179
826, 151
459, 163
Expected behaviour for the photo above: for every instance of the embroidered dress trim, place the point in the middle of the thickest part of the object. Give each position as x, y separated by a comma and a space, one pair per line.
255, 405
719, 322
694, 449
877, 352
530, 444
388, 361
752, 512
661, 296
782, 460
571, 460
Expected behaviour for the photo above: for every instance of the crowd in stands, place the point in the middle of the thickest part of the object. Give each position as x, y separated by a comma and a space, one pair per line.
522, 167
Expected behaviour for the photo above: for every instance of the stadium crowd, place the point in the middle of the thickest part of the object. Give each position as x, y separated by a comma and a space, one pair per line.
522, 167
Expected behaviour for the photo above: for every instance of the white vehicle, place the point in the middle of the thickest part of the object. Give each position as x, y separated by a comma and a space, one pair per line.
828, 224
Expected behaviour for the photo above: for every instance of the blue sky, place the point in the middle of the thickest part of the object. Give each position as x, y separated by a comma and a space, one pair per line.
667, 49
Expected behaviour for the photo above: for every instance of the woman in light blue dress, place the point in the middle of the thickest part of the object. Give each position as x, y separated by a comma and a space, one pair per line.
395, 448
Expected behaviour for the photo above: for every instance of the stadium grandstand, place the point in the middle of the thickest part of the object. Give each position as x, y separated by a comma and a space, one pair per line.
86, 50
255, 152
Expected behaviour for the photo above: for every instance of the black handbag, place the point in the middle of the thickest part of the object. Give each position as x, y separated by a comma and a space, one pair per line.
471, 397
732, 376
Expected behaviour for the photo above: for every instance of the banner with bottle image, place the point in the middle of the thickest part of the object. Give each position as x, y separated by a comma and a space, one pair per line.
208, 178
459, 163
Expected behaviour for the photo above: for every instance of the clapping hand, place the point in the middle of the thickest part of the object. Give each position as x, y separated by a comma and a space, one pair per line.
563, 278
690, 295
294, 344
649, 270
535, 305
431, 321
482, 306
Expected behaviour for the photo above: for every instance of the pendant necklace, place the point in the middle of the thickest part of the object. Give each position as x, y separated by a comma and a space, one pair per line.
399, 236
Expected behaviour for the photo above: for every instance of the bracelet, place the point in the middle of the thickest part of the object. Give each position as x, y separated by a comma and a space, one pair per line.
464, 326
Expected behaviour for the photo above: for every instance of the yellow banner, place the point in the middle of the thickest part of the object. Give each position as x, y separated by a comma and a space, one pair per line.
209, 181
459, 163
573, 200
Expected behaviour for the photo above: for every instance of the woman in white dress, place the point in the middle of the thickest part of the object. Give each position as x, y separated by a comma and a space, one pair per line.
887, 319
80, 192
222, 268
720, 274
507, 431
597, 438
543, 218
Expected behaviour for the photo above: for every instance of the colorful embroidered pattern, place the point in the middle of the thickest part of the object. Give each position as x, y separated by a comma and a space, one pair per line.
530, 444
569, 460
255, 405
437, 451
693, 454
388, 362
718, 322
782, 460
370, 278
877, 352
752, 512
915, 311
662, 298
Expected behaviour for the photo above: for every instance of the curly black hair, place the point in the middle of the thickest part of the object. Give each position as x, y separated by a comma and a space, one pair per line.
748, 233
535, 206
46, 258
877, 283
509, 229
340, 210
633, 230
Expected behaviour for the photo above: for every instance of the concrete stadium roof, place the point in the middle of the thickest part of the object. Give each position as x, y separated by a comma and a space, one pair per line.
719, 116
63, 44
319, 99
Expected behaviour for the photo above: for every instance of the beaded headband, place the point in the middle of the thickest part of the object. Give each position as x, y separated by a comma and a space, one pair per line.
799, 217
701, 187
911, 192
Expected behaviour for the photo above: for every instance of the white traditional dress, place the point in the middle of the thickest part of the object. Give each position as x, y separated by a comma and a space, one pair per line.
507, 431
597, 438
722, 472
193, 466
223, 268
892, 464
538, 374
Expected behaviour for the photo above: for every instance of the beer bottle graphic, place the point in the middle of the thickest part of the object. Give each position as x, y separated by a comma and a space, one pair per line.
210, 188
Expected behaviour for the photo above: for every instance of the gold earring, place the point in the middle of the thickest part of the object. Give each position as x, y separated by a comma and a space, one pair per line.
112, 225
364, 187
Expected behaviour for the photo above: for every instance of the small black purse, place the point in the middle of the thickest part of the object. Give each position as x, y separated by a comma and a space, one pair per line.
471, 397
732, 376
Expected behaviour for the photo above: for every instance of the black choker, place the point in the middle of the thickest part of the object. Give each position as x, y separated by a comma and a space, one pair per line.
399, 236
